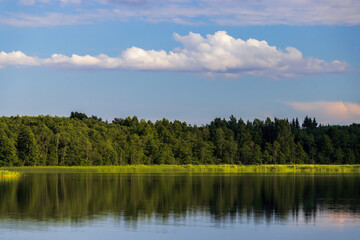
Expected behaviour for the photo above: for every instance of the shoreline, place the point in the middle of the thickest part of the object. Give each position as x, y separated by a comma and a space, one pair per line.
7, 174
306, 168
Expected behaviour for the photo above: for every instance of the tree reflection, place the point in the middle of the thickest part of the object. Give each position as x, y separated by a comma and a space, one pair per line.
78, 197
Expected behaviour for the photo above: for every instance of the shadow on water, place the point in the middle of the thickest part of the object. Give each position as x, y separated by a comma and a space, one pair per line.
85, 196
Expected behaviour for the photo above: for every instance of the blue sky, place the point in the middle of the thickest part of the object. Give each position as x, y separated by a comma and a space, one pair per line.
186, 60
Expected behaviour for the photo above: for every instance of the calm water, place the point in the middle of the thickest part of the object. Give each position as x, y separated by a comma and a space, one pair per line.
153, 206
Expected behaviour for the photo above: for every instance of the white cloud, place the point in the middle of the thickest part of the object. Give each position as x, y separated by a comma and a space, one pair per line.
223, 12
62, 2
18, 58
330, 112
27, 2
49, 19
216, 54
32, 2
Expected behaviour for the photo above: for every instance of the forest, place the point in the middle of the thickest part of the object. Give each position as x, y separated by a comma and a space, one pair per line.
80, 140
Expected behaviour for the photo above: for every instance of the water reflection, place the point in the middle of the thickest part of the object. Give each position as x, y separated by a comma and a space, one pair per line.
130, 198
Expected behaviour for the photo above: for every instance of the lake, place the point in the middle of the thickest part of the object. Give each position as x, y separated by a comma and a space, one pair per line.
180, 206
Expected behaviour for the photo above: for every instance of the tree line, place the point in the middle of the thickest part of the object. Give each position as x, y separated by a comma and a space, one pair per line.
80, 140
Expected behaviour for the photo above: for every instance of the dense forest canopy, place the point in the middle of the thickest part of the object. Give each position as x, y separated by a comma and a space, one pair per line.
82, 140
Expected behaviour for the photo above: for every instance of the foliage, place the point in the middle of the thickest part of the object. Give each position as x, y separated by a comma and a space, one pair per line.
27, 147
79, 140
222, 168
5, 173
7, 150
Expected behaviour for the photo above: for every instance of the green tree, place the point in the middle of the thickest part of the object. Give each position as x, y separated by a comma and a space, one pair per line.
307, 123
165, 155
204, 151
136, 150
7, 151
285, 138
27, 148
246, 147
275, 152
80, 140
339, 156
267, 158
349, 156
300, 154
257, 156
77, 115
325, 150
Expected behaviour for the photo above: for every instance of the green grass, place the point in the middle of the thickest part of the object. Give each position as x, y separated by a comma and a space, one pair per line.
194, 169
5, 173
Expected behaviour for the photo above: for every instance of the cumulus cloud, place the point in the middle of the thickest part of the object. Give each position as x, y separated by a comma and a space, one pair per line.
330, 112
215, 54
17, 58
223, 12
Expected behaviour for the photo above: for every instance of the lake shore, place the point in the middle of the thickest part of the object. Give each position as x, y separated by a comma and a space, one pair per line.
5, 173
226, 168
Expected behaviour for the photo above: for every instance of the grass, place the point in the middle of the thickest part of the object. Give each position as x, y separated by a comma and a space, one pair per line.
5, 173
191, 169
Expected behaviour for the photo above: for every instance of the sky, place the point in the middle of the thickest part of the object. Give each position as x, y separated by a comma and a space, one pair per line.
181, 59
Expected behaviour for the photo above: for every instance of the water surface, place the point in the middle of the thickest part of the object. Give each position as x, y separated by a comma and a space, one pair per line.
179, 206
